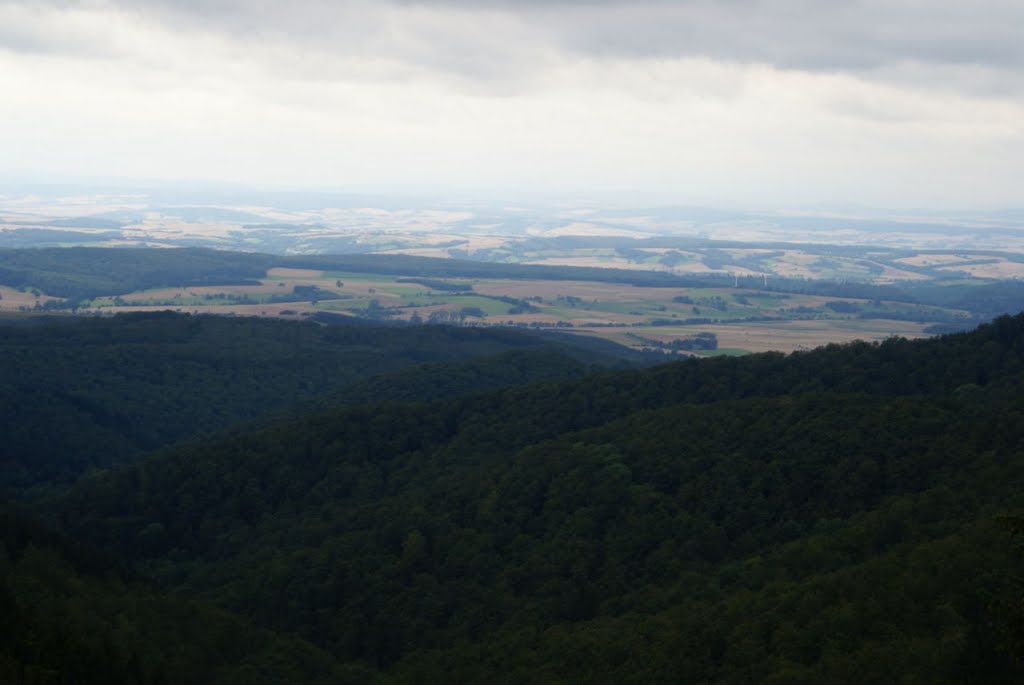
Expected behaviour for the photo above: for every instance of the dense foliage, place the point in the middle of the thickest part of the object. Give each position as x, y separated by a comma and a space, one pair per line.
83, 272
78, 395
70, 615
830, 516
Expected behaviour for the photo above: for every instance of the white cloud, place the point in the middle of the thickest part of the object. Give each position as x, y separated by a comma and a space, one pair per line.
447, 94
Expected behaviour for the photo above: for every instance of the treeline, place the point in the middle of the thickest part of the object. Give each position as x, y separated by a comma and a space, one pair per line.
697, 341
983, 300
78, 273
452, 268
81, 272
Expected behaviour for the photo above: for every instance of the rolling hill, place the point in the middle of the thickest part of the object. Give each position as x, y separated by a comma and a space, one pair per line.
840, 515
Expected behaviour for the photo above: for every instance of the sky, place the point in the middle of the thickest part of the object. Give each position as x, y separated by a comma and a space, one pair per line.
890, 103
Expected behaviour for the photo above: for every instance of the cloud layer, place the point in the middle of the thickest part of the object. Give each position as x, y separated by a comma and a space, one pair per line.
898, 102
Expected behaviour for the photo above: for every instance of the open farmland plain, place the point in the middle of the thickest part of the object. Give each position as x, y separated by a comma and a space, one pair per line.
739, 320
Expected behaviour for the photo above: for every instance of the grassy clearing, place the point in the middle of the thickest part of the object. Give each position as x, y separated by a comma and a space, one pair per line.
764, 336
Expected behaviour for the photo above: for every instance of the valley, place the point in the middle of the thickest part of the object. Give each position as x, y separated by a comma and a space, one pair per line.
584, 342
635, 308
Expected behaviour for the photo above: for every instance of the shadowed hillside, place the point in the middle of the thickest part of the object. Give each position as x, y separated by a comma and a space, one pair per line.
84, 394
828, 516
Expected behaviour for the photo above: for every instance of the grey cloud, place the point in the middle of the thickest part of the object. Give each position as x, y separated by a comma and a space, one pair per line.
31, 32
505, 38
807, 34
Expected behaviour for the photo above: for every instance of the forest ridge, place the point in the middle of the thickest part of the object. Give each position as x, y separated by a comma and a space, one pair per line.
841, 515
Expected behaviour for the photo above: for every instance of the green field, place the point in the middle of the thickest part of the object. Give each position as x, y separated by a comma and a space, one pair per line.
663, 310
743, 320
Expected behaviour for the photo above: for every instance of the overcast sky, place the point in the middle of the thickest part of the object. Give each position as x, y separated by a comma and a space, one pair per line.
900, 103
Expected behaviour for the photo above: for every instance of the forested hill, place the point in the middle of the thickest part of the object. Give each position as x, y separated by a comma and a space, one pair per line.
78, 395
831, 516
83, 272
72, 615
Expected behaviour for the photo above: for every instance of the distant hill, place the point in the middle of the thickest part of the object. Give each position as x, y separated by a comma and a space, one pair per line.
81, 273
